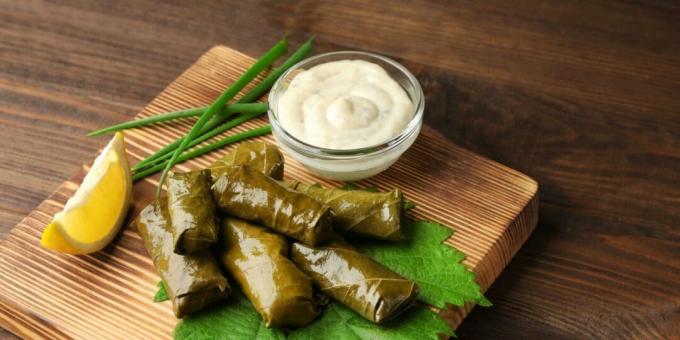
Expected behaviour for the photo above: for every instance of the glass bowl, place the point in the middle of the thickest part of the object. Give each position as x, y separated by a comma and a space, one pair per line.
349, 164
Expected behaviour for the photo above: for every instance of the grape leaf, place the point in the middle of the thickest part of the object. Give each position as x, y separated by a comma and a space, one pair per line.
435, 266
423, 258
234, 319
341, 323
161, 294
408, 204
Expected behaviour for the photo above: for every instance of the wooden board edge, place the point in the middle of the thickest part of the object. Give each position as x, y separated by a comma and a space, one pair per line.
26, 324
20, 321
506, 246
500, 254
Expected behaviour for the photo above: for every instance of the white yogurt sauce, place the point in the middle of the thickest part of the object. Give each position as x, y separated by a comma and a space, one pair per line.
344, 104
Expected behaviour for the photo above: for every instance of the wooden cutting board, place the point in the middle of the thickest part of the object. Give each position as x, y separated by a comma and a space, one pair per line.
108, 295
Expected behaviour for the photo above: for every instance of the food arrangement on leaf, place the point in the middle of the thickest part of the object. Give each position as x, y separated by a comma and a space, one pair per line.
303, 259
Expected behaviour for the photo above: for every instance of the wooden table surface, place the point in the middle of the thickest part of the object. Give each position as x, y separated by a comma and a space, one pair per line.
582, 96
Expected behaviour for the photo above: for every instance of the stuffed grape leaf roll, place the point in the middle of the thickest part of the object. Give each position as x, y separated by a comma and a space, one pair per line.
246, 193
261, 156
359, 213
192, 211
355, 280
257, 259
191, 281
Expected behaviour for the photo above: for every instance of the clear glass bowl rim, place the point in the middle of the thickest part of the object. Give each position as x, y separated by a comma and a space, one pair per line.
319, 152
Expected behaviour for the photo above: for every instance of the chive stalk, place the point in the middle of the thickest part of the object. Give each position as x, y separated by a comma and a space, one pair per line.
221, 101
192, 112
255, 93
212, 133
200, 151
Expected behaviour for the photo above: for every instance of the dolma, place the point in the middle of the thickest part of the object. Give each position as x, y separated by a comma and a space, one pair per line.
191, 281
360, 213
261, 156
243, 192
192, 211
257, 259
355, 280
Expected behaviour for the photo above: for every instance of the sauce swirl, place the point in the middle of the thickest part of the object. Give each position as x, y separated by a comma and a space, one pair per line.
344, 104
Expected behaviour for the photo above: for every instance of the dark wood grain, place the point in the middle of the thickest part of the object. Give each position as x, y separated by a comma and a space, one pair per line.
582, 96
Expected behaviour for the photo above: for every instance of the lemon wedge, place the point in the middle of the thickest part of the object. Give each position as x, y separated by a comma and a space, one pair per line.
94, 215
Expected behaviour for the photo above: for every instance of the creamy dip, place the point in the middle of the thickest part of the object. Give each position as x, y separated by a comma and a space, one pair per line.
344, 104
